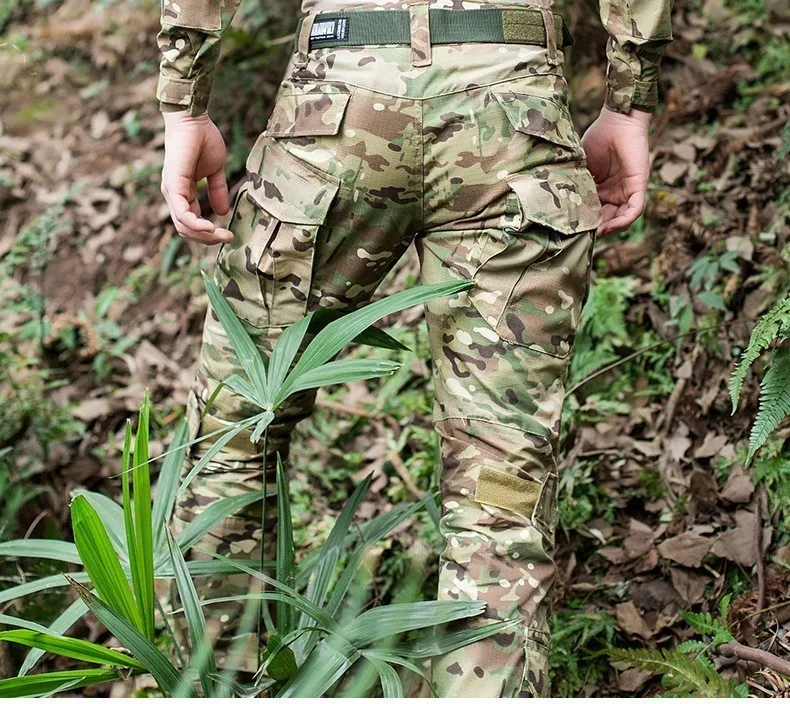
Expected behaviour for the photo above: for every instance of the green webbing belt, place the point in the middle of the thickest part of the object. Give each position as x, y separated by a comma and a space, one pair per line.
491, 25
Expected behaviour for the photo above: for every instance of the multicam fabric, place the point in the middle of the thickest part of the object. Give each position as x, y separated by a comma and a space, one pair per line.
474, 158
191, 31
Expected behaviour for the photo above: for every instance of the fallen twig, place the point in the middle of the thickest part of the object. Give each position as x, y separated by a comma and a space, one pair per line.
744, 652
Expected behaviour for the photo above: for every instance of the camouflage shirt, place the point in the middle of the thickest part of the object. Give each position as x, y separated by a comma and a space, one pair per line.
192, 29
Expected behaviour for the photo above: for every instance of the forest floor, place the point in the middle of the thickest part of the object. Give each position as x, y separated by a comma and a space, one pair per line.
658, 513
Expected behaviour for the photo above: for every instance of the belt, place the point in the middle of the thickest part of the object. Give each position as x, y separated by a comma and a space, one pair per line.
497, 25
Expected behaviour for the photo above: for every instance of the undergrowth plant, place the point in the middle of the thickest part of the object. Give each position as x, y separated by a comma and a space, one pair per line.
686, 670
773, 330
319, 631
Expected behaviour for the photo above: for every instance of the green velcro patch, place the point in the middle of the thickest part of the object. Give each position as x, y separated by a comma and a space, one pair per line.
503, 490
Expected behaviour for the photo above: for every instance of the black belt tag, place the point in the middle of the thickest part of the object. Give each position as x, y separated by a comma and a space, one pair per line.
335, 30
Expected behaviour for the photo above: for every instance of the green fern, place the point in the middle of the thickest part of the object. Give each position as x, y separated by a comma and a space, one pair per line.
682, 675
706, 625
774, 325
692, 646
774, 400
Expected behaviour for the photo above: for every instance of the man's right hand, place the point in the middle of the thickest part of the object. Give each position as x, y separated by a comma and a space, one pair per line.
194, 150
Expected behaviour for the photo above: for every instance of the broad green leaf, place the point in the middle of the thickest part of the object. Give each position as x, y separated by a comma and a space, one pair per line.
143, 576
372, 336
247, 353
58, 627
279, 659
212, 515
335, 336
46, 683
286, 565
156, 663
41, 549
165, 494
383, 621
70, 648
196, 622
101, 562
243, 388
343, 371
111, 515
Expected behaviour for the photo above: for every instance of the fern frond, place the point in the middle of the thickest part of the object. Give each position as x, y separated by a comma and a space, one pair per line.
724, 606
774, 400
701, 623
682, 675
691, 646
774, 325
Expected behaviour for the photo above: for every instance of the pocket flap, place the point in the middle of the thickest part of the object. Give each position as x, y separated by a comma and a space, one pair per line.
562, 197
291, 190
307, 114
538, 116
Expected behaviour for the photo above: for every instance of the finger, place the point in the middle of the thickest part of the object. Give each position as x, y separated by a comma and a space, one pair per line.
182, 209
209, 238
218, 192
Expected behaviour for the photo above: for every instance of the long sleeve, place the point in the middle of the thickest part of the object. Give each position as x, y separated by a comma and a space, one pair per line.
189, 42
639, 30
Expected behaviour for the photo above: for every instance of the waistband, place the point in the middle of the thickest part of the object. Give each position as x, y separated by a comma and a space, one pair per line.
497, 25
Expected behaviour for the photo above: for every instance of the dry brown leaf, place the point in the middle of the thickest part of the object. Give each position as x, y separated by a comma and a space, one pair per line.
687, 549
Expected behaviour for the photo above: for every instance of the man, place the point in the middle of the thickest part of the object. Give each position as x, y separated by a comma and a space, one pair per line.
444, 123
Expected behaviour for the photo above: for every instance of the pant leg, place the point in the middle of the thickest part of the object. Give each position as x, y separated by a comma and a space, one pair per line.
513, 209
330, 204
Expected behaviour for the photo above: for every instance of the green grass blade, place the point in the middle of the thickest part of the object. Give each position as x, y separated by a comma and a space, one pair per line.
217, 447
70, 648
156, 663
286, 561
441, 643
41, 549
143, 576
384, 621
343, 371
165, 494
128, 518
40, 585
333, 547
375, 530
301, 603
24, 623
284, 353
58, 627
243, 388
212, 515
100, 560
247, 353
45, 684
335, 336
196, 622
391, 686
325, 665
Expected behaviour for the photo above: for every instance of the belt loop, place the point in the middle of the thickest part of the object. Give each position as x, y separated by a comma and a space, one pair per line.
419, 22
303, 42
551, 36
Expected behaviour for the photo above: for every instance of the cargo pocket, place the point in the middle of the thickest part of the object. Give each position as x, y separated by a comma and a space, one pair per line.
205, 15
266, 270
532, 290
531, 498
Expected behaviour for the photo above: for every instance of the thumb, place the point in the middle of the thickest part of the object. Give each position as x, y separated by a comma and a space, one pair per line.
218, 192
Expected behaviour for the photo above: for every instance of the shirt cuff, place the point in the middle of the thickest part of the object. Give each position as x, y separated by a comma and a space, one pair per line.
624, 92
179, 94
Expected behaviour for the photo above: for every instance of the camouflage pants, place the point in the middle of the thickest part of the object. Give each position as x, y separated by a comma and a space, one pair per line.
469, 152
